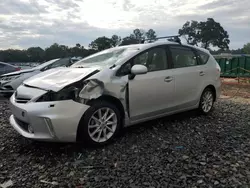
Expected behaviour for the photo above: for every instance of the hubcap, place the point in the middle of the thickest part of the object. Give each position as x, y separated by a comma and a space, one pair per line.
207, 101
102, 124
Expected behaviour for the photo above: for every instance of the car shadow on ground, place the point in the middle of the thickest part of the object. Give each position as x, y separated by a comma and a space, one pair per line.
27, 146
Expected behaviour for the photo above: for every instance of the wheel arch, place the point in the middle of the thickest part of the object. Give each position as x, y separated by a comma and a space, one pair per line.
210, 86
107, 98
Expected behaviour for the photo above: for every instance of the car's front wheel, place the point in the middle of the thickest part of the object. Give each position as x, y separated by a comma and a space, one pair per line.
206, 101
100, 123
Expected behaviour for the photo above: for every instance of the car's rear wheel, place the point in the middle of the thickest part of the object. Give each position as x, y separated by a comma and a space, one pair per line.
206, 101
100, 124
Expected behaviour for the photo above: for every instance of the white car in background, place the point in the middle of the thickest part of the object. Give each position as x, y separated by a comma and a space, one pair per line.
10, 82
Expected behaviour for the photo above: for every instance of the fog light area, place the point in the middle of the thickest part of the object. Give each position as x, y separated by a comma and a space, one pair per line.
50, 126
30, 129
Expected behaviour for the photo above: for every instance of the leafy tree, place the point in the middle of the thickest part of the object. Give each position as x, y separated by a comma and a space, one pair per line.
115, 40
139, 35
101, 43
246, 48
129, 40
206, 33
190, 29
56, 51
78, 45
35, 54
136, 37
12, 55
151, 34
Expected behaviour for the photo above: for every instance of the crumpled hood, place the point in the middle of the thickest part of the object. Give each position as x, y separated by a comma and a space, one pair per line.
18, 72
57, 78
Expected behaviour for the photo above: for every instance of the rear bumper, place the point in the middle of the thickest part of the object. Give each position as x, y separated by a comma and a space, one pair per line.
49, 121
218, 89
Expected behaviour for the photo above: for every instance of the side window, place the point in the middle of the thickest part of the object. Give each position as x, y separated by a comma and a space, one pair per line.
203, 57
2, 66
183, 57
154, 59
125, 70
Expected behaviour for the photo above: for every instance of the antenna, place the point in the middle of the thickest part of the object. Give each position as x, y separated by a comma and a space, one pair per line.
174, 38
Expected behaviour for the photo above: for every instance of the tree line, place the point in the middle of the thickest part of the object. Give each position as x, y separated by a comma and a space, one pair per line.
206, 34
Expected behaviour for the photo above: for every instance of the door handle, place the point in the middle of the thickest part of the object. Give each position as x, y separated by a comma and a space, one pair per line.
202, 73
168, 79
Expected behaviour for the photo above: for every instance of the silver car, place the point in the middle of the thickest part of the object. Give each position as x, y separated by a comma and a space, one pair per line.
7, 68
95, 98
9, 82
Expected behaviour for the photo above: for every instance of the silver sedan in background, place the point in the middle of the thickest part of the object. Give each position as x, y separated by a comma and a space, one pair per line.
92, 100
10, 82
7, 68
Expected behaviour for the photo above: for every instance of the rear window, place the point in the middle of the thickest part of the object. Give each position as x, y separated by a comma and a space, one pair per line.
203, 57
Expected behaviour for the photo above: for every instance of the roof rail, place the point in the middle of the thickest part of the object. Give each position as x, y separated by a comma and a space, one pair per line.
174, 38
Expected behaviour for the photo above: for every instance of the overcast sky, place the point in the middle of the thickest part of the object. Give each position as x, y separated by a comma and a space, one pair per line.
26, 23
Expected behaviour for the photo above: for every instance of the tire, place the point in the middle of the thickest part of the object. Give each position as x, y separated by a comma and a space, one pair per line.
206, 101
87, 124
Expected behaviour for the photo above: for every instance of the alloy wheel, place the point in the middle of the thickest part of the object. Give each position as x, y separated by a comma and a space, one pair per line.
102, 124
207, 101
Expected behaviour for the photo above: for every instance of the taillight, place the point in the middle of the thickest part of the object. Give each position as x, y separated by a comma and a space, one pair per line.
18, 68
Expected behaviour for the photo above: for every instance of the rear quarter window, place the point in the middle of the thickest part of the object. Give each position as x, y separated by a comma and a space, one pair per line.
203, 57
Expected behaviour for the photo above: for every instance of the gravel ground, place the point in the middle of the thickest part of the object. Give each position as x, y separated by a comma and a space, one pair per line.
183, 150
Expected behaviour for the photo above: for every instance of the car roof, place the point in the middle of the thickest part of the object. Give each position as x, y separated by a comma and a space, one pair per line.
145, 46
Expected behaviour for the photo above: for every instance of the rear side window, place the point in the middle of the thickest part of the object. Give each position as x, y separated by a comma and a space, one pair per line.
203, 57
183, 57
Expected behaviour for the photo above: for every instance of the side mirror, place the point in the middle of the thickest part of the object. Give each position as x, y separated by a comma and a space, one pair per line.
137, 69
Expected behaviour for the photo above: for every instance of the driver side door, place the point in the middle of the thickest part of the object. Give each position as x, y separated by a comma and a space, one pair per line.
150, 93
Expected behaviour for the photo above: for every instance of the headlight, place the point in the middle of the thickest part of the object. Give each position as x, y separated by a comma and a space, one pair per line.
70, 92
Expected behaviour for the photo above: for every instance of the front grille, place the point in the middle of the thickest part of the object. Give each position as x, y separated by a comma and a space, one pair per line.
22, 100
22, 124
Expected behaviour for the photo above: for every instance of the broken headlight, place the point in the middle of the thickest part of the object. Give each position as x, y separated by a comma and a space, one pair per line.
70, 92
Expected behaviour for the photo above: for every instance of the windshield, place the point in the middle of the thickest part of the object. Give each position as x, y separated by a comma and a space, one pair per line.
106, 57
46, 64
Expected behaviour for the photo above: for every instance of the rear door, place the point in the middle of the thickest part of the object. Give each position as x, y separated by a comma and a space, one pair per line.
188, 75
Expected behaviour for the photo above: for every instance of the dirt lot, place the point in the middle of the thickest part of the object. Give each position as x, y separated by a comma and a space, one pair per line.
184, 150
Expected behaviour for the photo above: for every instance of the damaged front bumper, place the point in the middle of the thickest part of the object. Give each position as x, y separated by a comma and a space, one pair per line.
47, 121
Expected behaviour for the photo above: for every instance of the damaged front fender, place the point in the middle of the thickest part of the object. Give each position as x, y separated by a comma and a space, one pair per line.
105, 83
92, 89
